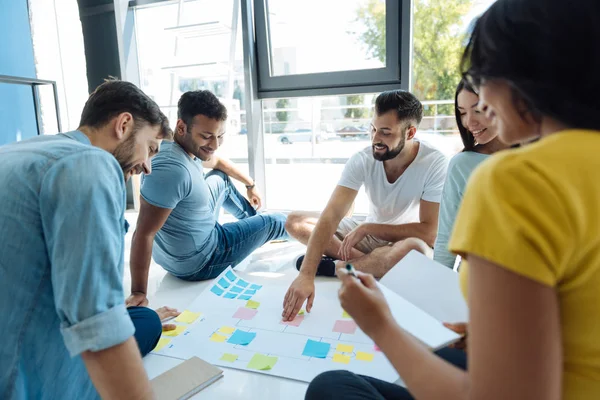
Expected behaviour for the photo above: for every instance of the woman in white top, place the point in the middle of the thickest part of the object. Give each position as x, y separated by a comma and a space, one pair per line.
480, 140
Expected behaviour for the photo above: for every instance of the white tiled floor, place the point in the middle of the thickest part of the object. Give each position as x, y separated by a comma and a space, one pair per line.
272, 264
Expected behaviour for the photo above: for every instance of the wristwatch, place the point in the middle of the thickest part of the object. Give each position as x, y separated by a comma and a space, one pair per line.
251, 186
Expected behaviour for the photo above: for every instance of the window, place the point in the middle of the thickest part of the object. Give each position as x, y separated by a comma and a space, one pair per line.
316, 47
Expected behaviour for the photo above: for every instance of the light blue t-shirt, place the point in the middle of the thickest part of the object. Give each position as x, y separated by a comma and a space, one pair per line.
460, 168
61, 264
188, 238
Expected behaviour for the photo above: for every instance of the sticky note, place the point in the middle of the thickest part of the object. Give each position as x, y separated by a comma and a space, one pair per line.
316, 349
236, 289
230, 295
362, 356
244, 297
218, 338
162, 342
241, 337
262, 362
252, 304
344, 327
344, 348
376, 348
245, 313
224, 283
242, 283
187, 317
226, 330
174, 332
346, 315
255, 287
301, 312
251, 292
228, 357
340, 358
216, 290
230, 275
295, 322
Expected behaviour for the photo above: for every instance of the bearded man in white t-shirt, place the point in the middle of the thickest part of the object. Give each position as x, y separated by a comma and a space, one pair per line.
403, 178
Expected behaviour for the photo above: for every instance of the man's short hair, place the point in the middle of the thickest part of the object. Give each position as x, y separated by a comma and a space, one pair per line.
405, 104
114, 97
200, 102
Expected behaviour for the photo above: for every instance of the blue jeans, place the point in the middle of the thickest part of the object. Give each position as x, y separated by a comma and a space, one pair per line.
236, 240
349, 386
148, 328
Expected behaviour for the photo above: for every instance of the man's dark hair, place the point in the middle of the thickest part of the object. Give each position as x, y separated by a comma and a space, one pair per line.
114, 97
552, 71
405, 104
200, 102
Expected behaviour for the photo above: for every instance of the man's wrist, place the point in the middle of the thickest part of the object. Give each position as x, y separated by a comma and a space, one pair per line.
251, 186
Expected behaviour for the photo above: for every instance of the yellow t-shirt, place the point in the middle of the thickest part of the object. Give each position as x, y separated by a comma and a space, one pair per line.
536, 212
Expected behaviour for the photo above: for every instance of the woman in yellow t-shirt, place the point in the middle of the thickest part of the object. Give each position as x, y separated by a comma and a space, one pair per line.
528, 226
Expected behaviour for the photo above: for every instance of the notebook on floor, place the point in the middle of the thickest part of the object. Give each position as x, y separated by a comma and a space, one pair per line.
185, 380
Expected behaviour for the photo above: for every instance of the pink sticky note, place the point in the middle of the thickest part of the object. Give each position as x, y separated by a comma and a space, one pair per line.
376, 348
245, 313
295, 322
344, 326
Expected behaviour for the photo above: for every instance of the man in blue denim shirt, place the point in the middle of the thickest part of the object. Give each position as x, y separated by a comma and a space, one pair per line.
177, 223
61, 255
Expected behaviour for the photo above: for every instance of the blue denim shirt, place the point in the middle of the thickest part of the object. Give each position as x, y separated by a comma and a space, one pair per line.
61, 264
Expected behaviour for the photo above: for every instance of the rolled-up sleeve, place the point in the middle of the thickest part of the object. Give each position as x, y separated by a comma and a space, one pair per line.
82, 206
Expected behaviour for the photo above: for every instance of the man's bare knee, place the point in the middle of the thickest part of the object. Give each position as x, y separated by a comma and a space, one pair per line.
402, 248
299, 221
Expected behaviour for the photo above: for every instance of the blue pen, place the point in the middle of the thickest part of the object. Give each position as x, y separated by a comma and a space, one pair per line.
350, 270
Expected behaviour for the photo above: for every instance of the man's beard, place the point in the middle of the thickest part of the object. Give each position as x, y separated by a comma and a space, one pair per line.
389, 154
124, 154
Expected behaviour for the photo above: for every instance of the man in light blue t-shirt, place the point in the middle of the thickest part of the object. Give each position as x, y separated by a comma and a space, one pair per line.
67, 332
177, 224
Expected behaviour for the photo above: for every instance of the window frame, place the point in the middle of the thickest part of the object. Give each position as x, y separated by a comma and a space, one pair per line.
395, 74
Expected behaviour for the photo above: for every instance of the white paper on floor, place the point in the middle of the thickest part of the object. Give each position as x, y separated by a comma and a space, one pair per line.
240, 327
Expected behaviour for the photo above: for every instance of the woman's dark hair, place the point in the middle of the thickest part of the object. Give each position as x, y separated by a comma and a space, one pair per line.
547, 51
466, 136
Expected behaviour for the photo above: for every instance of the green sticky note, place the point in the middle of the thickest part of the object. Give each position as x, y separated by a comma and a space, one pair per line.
252, 304
301, 312
262, 362
346, 315
229, 357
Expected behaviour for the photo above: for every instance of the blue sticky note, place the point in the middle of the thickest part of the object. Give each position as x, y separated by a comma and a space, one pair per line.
255, 286
224, 283
242, 283
216, 290
230, 275
243, 297
251, 292
316, 349
230, 295
236, 289
241, 337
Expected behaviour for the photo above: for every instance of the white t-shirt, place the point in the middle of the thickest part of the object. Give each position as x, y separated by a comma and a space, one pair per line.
397, 203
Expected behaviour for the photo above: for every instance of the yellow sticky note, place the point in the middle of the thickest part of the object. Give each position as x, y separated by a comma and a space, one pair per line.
179, 329
346, 315
252, 304
218, 338
187, 317
362, 356
229, 357
340, 358
162, 342
228, 330
301, 312
344, 348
